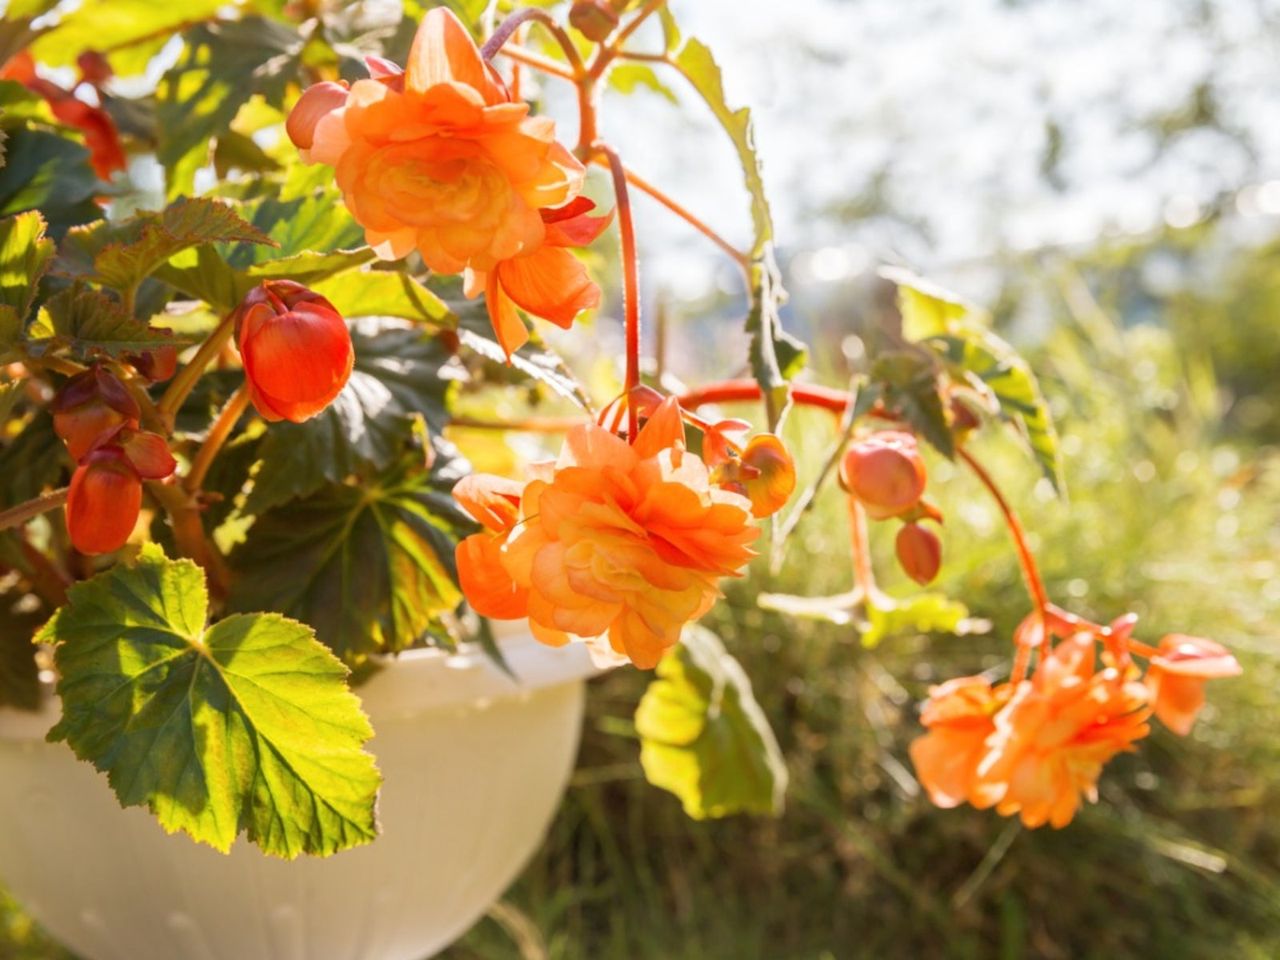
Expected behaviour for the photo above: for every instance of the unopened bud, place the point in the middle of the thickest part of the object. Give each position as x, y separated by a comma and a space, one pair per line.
919, 552
885, 472
596, 19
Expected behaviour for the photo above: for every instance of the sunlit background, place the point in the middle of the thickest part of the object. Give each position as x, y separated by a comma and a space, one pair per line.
1105, 177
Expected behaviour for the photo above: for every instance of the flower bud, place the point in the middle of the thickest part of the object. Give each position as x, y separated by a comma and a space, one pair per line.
317, 102
919, 552
596, 19
157, 364
103, 501
147, 453
90, 409
296, 350
885, 472
768, 474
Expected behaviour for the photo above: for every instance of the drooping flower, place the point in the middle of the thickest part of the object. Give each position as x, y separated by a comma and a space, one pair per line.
617, 539
90, 409
440, 159
547, 282
1057, 731
106, 155
1176, 678
296, 350
960, 717
885, 472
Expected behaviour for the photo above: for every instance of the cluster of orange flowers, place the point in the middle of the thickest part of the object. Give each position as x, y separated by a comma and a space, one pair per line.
438, 158
1036, 747
615, 539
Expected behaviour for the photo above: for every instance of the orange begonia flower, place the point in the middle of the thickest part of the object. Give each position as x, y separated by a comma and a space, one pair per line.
959, 716
611, 539
1177, 675
1057, 731
439, 159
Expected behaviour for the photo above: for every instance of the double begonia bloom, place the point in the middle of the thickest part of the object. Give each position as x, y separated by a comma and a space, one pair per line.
1058, 730
296, 350
439, 159
613, 539
960, 717
1176, 678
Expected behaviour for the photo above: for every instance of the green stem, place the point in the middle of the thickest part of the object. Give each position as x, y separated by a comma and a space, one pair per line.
20, 514
185, 381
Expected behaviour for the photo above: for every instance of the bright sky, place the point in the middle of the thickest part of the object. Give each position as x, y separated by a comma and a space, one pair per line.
950, 103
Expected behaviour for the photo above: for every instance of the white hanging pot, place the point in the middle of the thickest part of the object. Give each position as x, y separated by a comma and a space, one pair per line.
474, 766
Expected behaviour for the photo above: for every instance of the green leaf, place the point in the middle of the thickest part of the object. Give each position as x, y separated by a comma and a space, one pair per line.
386, 293
86, 322
370, 566
49, 172
400, 373
25, 253
627, 78
695, 61
703, 736
909, 385
135, 29
222, 66
960, 336
543, 366
918, 613
244, 725
142, 244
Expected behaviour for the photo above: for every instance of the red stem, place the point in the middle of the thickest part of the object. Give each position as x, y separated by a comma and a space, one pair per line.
729, 391
1030, 572
631, 282
864, 576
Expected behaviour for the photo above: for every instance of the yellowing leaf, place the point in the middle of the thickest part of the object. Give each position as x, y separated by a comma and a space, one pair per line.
703, 736
247, 725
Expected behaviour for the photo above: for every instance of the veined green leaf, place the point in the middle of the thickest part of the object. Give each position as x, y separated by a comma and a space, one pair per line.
244, 725
32, 462
384, 293
87, 322
222, 66
25, 253
136, 248
370, 567
400, 373
703, 736
961, 337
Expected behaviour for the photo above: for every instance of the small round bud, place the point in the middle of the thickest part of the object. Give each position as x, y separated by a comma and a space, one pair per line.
919, 552
885, 472
319, 100
90, 409
596, 19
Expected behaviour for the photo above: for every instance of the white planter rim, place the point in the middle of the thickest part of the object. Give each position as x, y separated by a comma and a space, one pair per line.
414, 681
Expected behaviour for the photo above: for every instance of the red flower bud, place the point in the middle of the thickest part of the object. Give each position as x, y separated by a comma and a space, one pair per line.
90, 409
157, 364
147, 453
319, 100
103, 502
94, 67
296, 350
885, 472
595, 18
919, 552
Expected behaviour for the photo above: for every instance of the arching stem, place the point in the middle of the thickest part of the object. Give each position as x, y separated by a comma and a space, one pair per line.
631, 282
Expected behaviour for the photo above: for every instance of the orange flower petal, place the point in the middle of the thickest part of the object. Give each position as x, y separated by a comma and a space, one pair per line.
443, 52
485, 581
510, 330
550, 283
